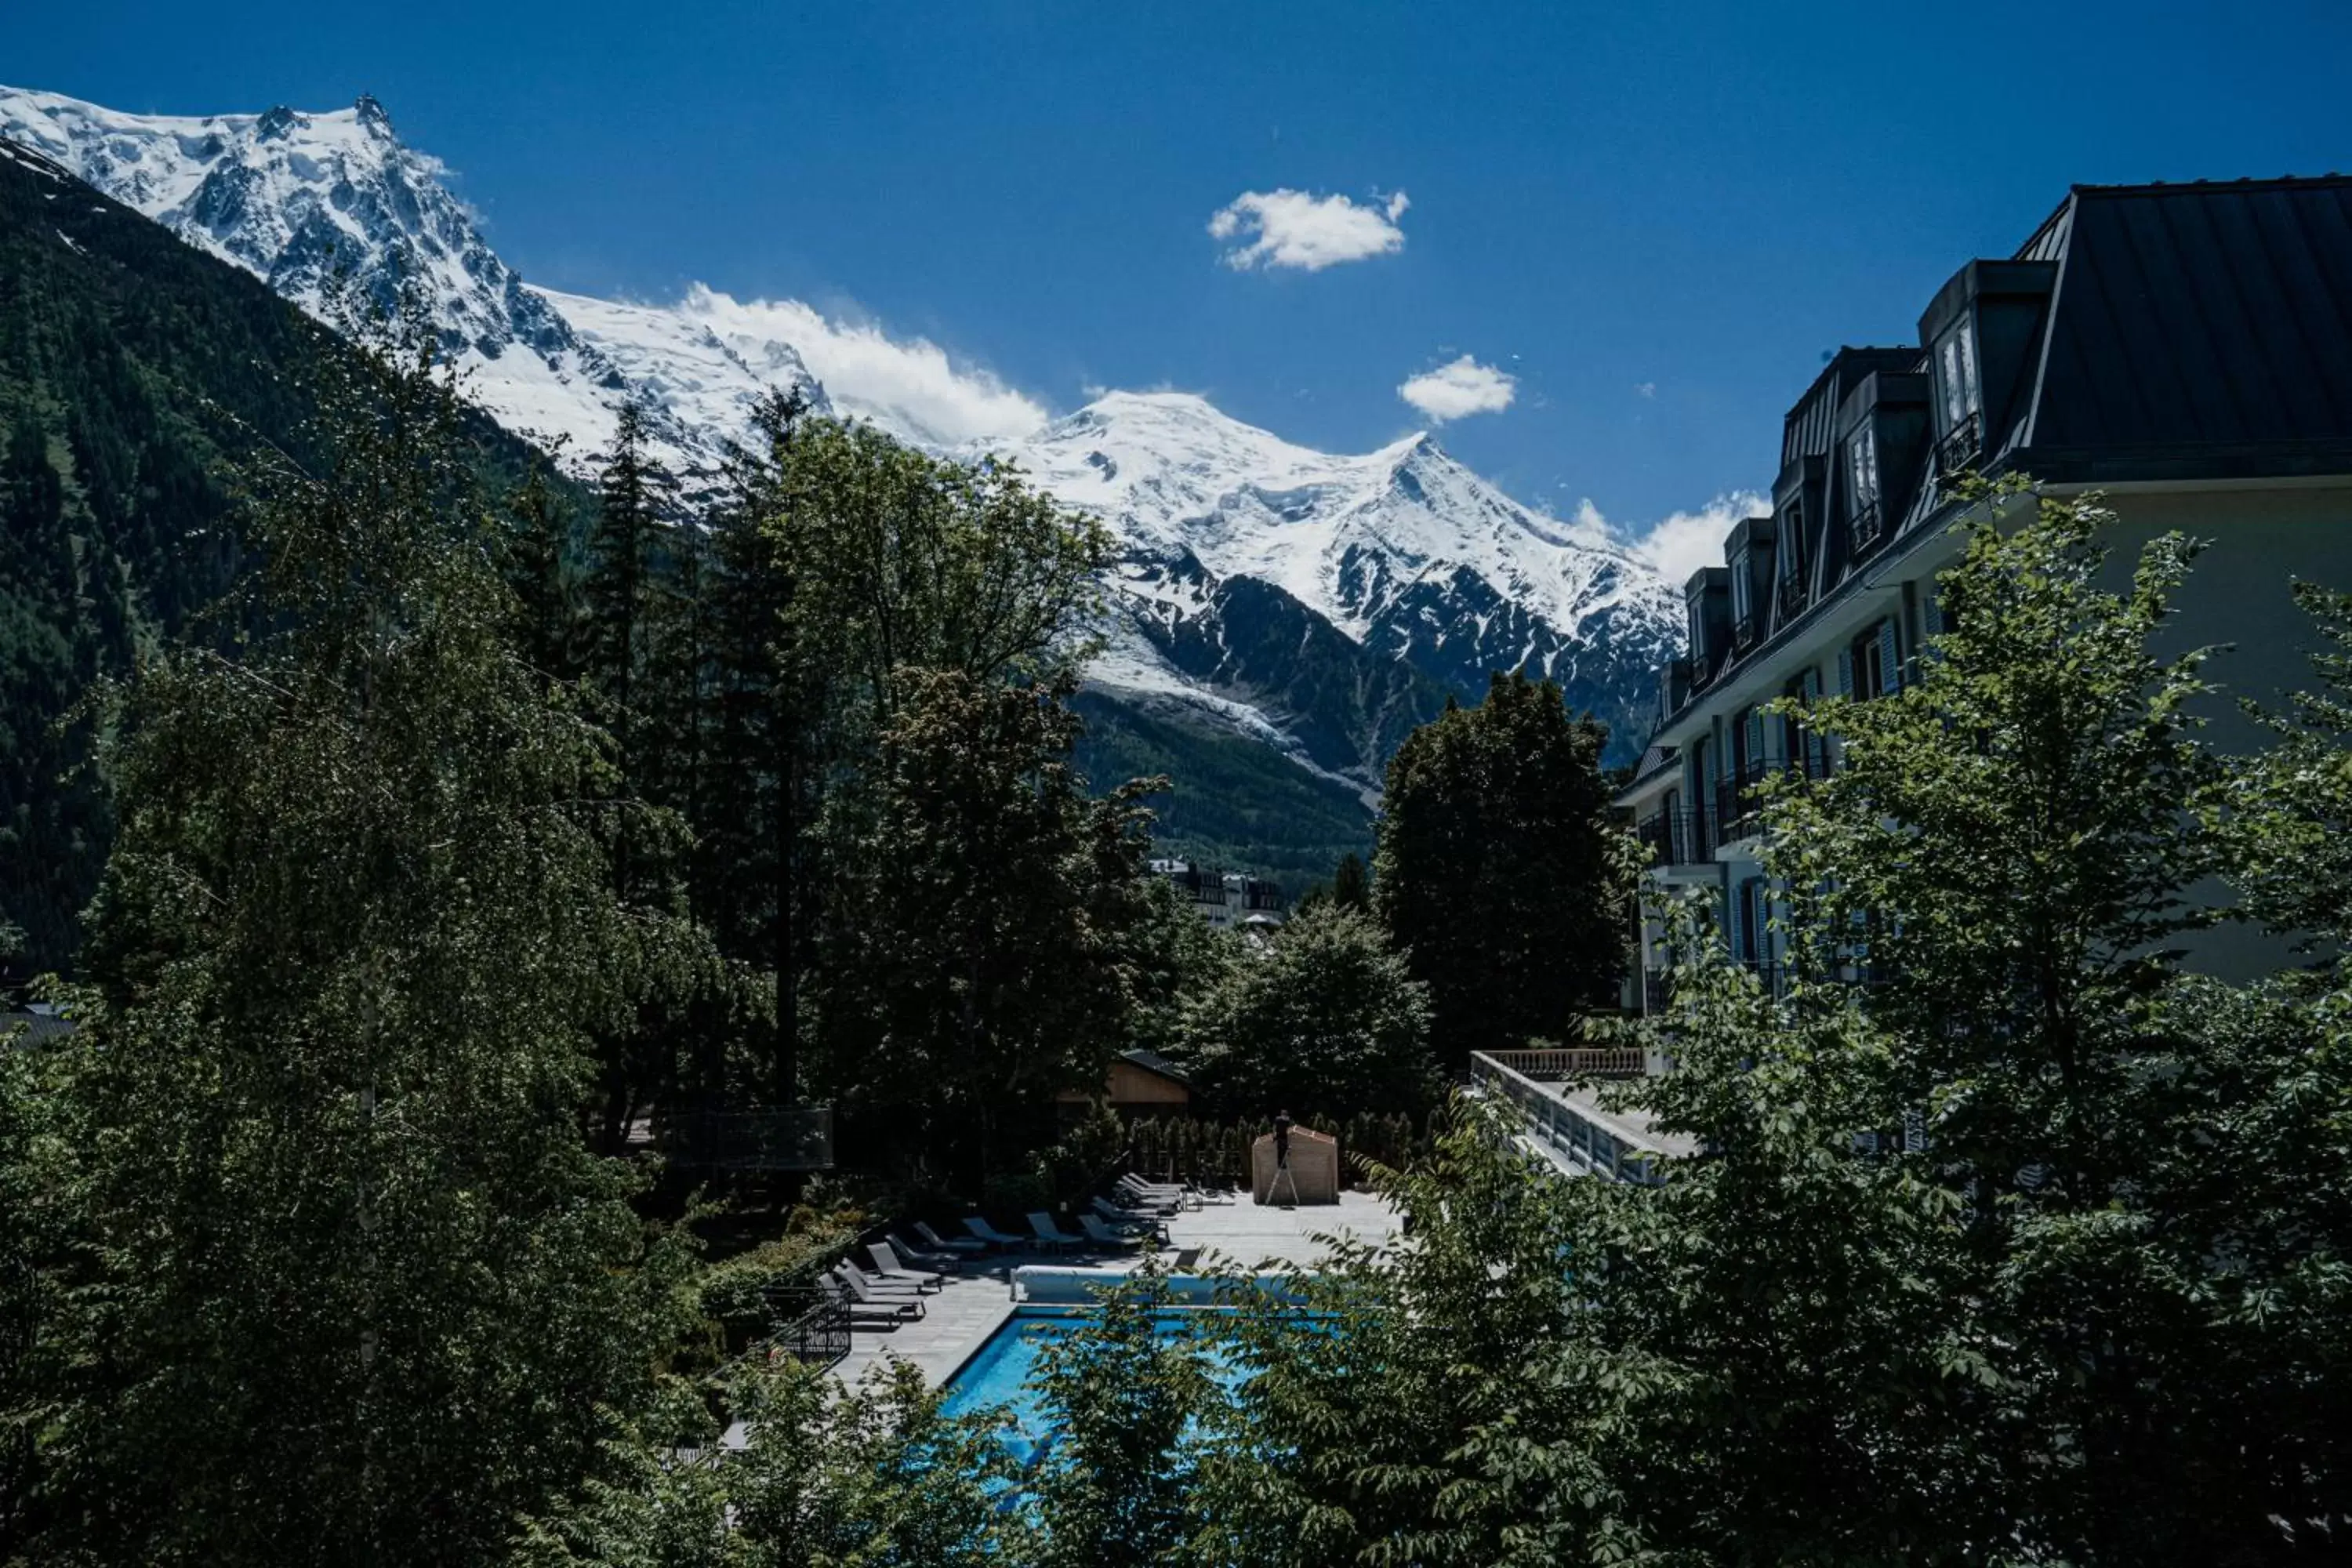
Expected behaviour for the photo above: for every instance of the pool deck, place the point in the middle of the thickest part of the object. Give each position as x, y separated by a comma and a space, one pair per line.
972, 1306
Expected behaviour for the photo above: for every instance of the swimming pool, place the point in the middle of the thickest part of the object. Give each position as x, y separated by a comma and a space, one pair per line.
1002, 1372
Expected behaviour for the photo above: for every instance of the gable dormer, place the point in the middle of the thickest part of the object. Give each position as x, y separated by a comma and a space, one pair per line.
1798, 517
1979, 334
1882, 452
1708, 597
1747, 555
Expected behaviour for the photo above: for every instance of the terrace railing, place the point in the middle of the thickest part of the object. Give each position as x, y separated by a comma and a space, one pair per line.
807, 1324
1571, 1063
1580, 1137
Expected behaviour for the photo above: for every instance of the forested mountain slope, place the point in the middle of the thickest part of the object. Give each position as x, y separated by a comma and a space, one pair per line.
133, 369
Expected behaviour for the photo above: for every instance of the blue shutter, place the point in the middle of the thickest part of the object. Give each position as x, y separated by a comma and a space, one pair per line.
1890, 675
1732, 923
1755, 738
1845, 672
1931, 609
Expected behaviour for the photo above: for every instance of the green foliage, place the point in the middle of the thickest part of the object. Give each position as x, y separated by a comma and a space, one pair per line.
350, 1287
971, 960
1326, 1020
1442, 1400
1498, 873
1115, 1488
830, 1477
1176, 963
134, 369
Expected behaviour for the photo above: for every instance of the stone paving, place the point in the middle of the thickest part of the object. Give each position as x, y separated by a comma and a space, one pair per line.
970, 1306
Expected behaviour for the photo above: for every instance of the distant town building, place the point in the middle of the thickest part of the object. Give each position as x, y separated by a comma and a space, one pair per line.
1229, 900
2183, 350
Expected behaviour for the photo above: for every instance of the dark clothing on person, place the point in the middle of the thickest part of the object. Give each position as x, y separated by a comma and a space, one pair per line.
1282, 1141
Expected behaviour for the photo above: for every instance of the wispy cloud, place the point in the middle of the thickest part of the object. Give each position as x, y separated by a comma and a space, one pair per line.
908, 383
1300, 229
1645, 389
1458, 389
1683, 542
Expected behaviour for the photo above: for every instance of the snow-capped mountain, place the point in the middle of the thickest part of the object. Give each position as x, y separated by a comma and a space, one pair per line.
1405, 553
1322, 603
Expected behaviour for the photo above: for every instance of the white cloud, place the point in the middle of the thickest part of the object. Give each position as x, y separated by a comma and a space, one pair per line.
1683, 542
1297, 228
1645, 389
1461, 388
907, 384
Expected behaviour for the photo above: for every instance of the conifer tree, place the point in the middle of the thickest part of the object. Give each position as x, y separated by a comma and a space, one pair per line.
635, 495
1498, 872
538, 572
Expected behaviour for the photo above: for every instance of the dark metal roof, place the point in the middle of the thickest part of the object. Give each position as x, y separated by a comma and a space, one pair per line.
1152, 1061
2193, 319
29, 1028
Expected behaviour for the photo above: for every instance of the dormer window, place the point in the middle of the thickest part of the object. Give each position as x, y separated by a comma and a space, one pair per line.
1956, 375
1742, 611
1862, 454
1698, 634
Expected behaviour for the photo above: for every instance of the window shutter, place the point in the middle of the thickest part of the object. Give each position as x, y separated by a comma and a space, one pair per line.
1931, 609
1890, 673
1816, 749
1733, 934
1845, 672
1755, 738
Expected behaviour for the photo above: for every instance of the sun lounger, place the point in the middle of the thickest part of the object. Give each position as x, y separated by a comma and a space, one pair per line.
1052, 1237
992, 1237
915, 1257
1112, 1216
963, 1246
883, 1286
1144, 1195
879, 1315
1103, 1235
863, 1290
887, 1264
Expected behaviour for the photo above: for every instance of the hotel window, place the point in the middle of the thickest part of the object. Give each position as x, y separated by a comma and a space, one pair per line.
1864, 451
1739, 586
1956, 365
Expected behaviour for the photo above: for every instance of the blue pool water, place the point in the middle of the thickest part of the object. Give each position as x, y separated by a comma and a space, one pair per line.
1002, 1372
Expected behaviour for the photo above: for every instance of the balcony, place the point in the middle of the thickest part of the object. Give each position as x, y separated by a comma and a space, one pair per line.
1680, 838
1564, 1120
1869, 524
1962, 445
1789, 597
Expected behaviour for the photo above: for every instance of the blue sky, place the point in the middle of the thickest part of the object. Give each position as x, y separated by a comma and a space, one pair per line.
1654, 218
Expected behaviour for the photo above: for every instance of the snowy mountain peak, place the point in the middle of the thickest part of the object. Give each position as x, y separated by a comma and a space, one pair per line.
1401, 554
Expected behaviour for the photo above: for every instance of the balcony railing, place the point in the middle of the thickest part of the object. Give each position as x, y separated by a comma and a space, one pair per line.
1681, 837
1960, 446
1743, 631
1869, 522
1789, 594
1655, 994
